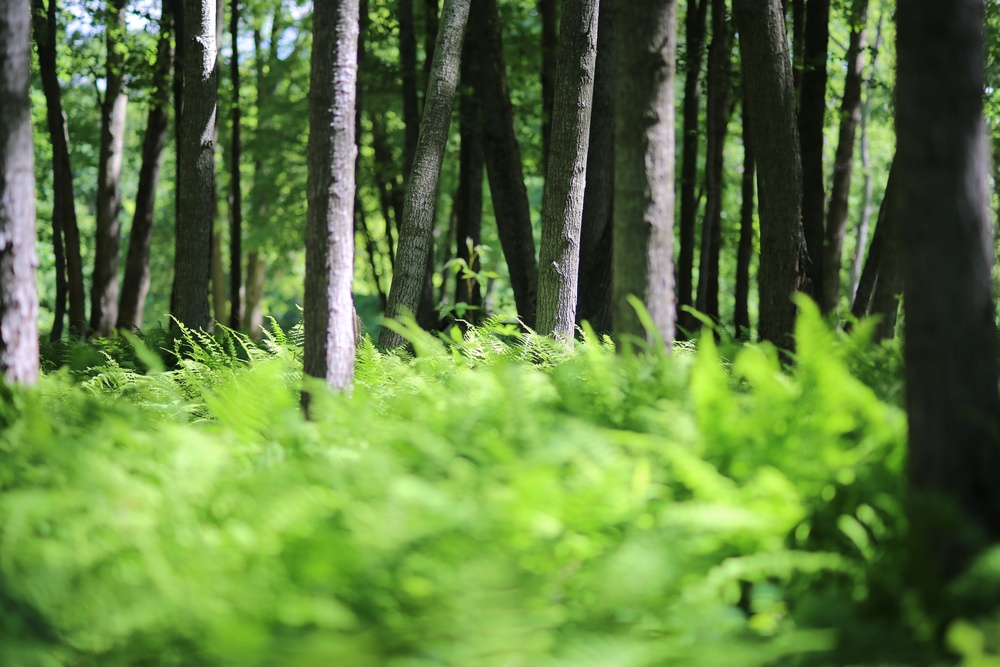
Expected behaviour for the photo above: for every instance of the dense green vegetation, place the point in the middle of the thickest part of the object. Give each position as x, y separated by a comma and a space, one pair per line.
492, 501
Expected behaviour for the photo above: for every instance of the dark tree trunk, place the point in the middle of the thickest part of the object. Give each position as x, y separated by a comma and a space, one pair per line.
18, 296
744, 253
196, 152
719, 73
107, 234
850, 116
431, 8
861, 306
65, 233
644, 169
889, 279
562, 202
798, 42
328, 312
469, 200
217, 272
408, 67
812, 110
767, 75
416, 233
548, 11
951, 389
236, 184
597, 234
503, 161
694, 54
135, 284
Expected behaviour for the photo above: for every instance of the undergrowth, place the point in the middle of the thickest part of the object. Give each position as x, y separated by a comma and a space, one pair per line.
492, 500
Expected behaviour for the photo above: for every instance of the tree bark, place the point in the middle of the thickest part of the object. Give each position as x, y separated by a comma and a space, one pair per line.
850, 116
107, 234
18, 295
408, 67
548, 11
889, 279
694, 54
771, 99
65, 232
744, 253
565, 179
717, 120
236, 182
469, 199
503, 161
196, 152
644, 168
416, 233
217, 270
329, 309
135, 285
953, 405
597, 236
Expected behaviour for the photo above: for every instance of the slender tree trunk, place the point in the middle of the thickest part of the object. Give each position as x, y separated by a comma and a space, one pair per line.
107, 235
416, 233
503, 161
695, 47
951, 389
644, 168
65, 233
548, 11
597, 231
889, 280
469, 200
798, 43
408, 67
812, 111
719, 74
329, 309
236, 183
388, 185
253, 310
18, 295
771, 99
850, 116
744, 253
562, 202
196, 152
431, 8
217, 270
135, 284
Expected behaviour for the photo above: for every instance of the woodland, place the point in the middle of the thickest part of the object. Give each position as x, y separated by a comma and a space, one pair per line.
493, 333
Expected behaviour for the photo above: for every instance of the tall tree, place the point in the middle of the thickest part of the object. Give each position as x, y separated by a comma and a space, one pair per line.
744, 252
953, 405
107, 234
135, 284
416, 232
408, 67
812, 111
503, 160
328, 312
595, 303
767, 75
850, 116
196, 151
565, 178
548, 11
469, 198
694, 52
18, 297
217, 272
65, 232
644, 167
235, 180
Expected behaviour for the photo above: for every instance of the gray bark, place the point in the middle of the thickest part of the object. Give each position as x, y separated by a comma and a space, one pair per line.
644, 168
235, 179
548, 12
18, 297
416, 232
566, 174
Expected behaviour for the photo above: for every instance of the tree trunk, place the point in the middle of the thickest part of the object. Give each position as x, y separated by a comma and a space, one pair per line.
548, 11
217, 270
812, 111
18, 295
107, 234
253, 310
644, 168
135, 284
416, 233
431, 8
389, 186
889, 278
196, 152
850, 116
329, 309
503, 161
65, 233
236, 184
798, 43
952, 401
744, 253
469, 199
694, 54
771, 99
408, 66
597, 235
717, 120
565, 179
